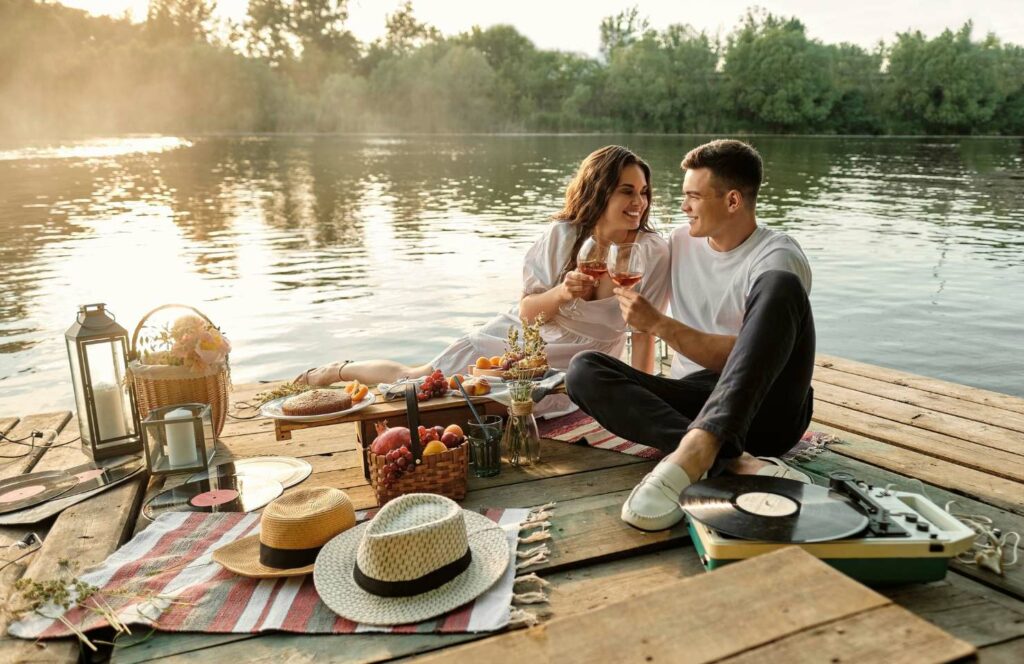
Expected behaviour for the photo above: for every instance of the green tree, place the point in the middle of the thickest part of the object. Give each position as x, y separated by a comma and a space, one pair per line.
180, 19
621, 30
281, 30
949, 84
857, 77
775, 77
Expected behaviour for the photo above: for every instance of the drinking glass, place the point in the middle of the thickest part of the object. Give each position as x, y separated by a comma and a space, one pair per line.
485, 445
625, 266
591, 261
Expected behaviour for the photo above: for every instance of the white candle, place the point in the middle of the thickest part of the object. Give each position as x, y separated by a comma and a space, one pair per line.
181, 439
109, 411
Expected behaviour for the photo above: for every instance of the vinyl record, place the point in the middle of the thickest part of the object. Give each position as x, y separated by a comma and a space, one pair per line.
220, 493
289, 471
772, 509
92, 476
28, 490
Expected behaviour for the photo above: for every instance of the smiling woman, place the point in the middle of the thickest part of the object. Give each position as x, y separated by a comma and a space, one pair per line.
608, 200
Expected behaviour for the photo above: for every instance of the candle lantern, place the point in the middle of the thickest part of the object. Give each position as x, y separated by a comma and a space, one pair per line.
108, 420
178, 439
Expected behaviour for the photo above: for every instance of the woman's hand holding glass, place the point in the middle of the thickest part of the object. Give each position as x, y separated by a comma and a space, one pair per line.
591, 265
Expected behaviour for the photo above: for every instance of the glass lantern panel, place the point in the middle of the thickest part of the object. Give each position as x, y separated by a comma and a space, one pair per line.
79, 387
106, 362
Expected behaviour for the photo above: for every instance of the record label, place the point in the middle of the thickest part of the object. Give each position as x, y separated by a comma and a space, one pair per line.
766, 504
219, 493
772, 509
28, 490
22, 493
211, 498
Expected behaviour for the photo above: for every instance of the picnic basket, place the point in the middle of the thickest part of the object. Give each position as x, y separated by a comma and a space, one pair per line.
158, 385
443, 473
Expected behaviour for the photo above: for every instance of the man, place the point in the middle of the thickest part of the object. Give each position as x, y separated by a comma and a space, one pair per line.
743, 336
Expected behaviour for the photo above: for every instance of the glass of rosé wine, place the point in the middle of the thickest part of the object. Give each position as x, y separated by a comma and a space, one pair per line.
592, 260
625, 266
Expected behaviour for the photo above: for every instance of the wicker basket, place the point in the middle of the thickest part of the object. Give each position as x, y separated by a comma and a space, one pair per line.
158, 385
443, 473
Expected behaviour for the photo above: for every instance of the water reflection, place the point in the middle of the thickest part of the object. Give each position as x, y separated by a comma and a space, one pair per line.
312, 248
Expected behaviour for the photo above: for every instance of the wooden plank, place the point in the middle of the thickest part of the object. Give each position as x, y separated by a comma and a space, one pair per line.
765, 599
902, 378
977, 432
887, 634
50, 424
996, 491
572, 592
964, 608
78, 535
939, 403
7, 423
1013, 579
1011, 652
961, 452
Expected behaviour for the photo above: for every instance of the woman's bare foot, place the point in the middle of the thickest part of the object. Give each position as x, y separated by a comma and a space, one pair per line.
321, 376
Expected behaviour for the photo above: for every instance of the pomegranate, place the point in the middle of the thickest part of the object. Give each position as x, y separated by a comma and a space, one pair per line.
389, 438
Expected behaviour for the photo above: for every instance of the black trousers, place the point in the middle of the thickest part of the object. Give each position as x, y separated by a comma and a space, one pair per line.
761, 402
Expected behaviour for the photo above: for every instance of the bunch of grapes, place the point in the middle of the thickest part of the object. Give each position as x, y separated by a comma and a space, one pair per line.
434, 385
396, 463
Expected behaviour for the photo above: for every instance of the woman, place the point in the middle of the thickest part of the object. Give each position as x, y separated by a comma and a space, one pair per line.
609, 199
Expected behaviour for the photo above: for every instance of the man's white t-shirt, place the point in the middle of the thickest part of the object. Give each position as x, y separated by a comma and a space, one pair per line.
710, 288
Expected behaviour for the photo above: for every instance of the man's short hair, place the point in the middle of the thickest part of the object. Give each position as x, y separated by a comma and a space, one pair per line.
734, 164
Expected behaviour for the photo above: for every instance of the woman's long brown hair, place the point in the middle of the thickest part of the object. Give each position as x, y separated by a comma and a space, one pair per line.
587, 195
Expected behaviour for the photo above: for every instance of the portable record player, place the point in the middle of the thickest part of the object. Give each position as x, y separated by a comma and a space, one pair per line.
875, 535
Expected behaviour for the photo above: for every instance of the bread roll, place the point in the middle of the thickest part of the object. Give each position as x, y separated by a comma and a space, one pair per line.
317, 402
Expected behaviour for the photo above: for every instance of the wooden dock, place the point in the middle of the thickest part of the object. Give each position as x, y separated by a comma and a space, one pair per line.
954, 442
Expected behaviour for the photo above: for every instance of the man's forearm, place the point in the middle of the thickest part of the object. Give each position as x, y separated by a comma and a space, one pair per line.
708, 350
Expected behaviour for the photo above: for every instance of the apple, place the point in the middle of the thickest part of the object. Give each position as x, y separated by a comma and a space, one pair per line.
450, 440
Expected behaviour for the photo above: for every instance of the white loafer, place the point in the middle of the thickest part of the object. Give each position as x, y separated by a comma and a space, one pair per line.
654, 502
778, 468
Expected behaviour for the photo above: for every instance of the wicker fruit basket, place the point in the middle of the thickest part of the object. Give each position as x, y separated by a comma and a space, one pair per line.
443, 473
158, 385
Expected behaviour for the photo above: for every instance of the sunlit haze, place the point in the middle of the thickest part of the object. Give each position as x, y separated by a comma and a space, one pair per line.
573, 26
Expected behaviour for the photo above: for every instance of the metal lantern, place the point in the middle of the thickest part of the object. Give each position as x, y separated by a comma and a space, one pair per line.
178, 439
108, 419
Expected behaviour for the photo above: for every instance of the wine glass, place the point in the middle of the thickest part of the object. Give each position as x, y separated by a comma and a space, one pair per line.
625, 266
591, 261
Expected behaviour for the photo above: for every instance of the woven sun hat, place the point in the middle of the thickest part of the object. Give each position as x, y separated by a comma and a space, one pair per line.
293, 529
420, 557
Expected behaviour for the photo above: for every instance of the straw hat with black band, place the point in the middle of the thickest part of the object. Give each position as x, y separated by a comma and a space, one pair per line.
293, 529
420, 557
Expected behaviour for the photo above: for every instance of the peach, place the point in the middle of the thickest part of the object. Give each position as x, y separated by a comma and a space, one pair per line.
454, 385
455, 429
495, 361
483, 363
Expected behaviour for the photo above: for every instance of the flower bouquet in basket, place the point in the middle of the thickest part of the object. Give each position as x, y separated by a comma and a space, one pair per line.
184, 361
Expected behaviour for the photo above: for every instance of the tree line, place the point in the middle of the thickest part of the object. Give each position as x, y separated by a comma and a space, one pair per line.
293, 66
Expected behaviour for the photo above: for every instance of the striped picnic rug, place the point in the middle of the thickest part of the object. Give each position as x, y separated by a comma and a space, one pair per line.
577, 427
165, 578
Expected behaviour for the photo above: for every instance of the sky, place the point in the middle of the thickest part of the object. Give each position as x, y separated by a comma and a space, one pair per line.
573, 25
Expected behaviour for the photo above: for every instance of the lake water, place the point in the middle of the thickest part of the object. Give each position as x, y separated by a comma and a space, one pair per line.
309, 249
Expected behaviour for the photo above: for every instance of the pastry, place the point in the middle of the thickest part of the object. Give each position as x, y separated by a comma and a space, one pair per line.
317, 402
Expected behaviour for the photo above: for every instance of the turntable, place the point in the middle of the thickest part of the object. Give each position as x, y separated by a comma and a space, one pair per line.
875, 535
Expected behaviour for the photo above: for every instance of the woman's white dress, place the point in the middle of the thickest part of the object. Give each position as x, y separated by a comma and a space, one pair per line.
599, 325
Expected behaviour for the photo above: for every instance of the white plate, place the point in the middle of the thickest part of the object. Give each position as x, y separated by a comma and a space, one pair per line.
272, 409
